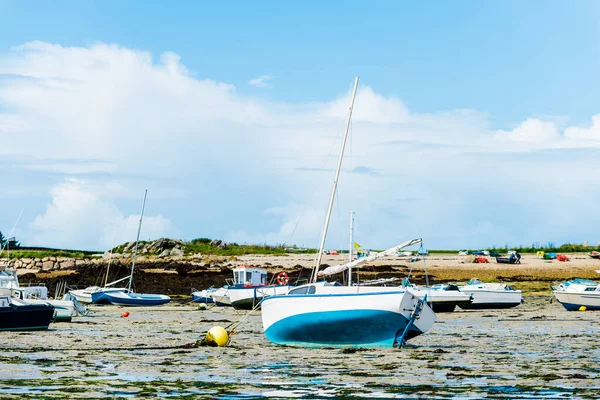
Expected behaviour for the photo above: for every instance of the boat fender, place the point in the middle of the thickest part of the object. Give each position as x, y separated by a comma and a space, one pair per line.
217, 336
283, 278
582, 308
125, 314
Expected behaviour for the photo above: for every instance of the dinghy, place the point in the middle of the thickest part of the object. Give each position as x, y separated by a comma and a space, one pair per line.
577, 293
327, 314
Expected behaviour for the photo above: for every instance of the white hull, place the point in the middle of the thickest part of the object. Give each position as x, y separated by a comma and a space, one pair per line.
572, 301
342, 316
248, 298
64, 309
221, 299
490, 298
85, 295
442, 300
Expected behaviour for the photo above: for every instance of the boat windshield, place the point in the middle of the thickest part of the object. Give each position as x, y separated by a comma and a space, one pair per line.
582, 281
474, 281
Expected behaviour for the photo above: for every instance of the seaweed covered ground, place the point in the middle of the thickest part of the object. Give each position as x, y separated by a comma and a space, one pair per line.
537, 350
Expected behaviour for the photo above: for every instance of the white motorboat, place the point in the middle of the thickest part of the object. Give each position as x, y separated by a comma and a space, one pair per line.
490, 295
36, 294
577, 293
248, 288
326, 314
18, 315
441, 298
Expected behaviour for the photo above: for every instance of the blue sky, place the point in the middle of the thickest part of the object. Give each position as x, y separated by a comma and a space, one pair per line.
464, 103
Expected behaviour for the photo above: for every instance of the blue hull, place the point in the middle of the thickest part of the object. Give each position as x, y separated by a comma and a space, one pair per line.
575, 307
135, 299
100, 298
357, 328
202, 299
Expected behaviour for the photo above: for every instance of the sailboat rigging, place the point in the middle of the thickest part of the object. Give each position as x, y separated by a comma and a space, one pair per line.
328, 314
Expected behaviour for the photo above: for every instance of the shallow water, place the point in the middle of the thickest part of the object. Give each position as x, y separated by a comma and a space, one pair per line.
535, 350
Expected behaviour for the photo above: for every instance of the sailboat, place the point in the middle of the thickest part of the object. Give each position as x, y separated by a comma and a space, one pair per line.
128, 297
324, 314
96, 294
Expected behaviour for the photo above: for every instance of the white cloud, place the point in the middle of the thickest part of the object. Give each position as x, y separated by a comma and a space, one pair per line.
81, 216
223, 162
262, 81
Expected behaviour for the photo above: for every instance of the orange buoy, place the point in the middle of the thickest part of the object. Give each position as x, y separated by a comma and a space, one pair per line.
125, 314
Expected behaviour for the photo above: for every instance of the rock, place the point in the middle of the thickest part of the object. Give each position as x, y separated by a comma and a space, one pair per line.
26, 260
48, 265
30, 266
79, 262
38, 264
69, 264
164, 254
176, 252
129, 247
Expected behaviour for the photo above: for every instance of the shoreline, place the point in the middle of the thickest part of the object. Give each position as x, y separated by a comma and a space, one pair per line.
178, 275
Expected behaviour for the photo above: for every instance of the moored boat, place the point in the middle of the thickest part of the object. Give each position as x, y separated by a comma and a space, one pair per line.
490, 295
330, 315
325, 314
16, 315
441, 298
136, 299
128, 297
36, 294
576, 293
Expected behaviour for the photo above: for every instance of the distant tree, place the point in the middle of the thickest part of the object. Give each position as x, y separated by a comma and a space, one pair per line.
2, 240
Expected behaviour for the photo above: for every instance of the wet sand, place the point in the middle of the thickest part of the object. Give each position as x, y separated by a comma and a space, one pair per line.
537, 350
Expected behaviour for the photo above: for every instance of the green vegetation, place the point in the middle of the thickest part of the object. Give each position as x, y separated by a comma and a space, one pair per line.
549, 248
46, 253
204, 246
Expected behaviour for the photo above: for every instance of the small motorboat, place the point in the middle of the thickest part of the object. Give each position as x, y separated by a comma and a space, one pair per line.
490, 295
17, 315
36, 294
595, 254
441, 297
248, 288
577, 293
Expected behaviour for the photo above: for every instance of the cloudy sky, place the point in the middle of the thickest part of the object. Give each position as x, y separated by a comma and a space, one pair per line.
475, 124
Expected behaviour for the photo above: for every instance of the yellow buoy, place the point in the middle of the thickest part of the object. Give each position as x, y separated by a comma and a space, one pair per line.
582, 308
217, 336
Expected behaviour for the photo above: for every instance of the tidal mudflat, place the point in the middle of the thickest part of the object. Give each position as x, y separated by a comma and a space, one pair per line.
537, 350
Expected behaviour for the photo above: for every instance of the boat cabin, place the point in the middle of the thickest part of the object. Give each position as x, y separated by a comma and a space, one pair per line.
248, 276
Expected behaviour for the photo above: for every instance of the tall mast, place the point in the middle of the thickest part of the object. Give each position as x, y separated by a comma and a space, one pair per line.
335, 181
351, 247
110, 254
137, 240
